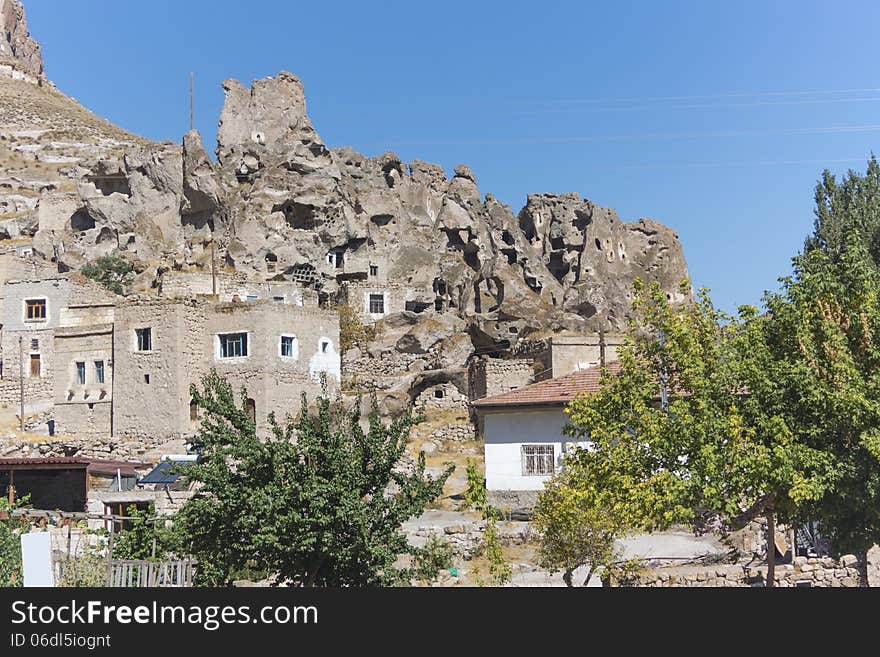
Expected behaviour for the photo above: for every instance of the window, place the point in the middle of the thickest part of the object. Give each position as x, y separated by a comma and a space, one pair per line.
35, 309
233, 345
537, 460
146, 378
35, 344
278, 299
251, 297
35, 366
288, 346
374, 270
377, 304
324, 345
99, 371
144, 339
80, 374
438, 393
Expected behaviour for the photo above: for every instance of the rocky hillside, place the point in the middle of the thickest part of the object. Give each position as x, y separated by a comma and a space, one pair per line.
278, 203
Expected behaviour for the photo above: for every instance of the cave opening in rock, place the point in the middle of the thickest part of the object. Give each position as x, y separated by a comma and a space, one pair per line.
300, 216
81, 220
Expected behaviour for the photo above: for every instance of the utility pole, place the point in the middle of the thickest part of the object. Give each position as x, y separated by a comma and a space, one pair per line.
21, 384
213, 268
191, 101
602, 344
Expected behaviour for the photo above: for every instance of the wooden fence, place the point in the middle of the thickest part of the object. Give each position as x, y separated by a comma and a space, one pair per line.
132, 573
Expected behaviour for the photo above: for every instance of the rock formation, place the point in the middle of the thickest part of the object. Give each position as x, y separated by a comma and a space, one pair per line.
460, 270
19, 54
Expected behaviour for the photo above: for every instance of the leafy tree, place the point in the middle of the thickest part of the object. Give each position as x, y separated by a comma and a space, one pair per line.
475, 491
679, 435
112, 271
319, 501
352, 330
10, 544
576, 530
823, 332
146, 539
847, 211
499, 569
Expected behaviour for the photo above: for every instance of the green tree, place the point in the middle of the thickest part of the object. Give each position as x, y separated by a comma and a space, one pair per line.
575, 529
678, 434
10, 544
823, 332
475, 491
145, 539
112, 271
318, 502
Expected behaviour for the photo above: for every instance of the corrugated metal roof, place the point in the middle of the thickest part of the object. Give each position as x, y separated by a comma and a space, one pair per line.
45, 460
552, 392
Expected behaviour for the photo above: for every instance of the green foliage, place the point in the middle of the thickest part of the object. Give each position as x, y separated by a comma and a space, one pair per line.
823, 332
575, 528
318, 502
86, 569
112, 271
10, 545
146, 539
499, 569
429, 560
352, 331
475, 492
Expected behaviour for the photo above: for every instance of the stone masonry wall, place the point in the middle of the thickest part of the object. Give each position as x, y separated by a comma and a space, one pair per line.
807, 572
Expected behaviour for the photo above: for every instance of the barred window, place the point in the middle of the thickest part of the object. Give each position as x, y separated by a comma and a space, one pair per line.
537, 460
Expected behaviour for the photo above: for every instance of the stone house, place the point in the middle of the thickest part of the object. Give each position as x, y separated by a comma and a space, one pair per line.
275, 351
83, 370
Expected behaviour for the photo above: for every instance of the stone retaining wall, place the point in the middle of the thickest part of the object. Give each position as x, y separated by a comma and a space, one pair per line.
805, 572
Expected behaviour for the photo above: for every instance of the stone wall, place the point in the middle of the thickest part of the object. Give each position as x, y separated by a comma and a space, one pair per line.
804, 571
35, 390
449, 397
466, 539
494, 376
100, 448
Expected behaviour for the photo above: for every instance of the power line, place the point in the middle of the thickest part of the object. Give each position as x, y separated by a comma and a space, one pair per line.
663, 136
813, 101
753, 94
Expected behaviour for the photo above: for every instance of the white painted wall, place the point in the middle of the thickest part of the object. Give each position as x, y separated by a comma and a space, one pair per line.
325, 360
506, 433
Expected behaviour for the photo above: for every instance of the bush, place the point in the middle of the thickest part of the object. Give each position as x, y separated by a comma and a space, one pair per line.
112, 271
352, 331
475, 492
10, 547
435, 556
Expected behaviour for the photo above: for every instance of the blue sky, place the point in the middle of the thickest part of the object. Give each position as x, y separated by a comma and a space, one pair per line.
714, 118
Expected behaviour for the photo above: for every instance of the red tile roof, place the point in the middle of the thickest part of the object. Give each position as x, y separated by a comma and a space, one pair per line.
552, 392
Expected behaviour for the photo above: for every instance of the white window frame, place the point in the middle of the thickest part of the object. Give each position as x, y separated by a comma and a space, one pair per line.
80, 381
218, 346
102, 371
294, 349
24, 306
538, 460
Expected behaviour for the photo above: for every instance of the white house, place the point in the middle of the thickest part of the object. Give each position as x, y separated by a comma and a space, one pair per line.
522, 430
